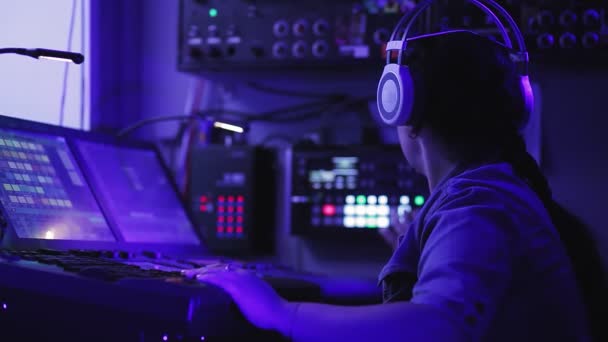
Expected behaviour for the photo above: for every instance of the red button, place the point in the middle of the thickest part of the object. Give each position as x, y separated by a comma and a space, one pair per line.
230, 198
239, 230
230, 229
203, 208
230, 209
239, 219
220, 219
220, 199
203, 199
239, 209
240, 199
220, 209
220, 229
329, 210
230, 219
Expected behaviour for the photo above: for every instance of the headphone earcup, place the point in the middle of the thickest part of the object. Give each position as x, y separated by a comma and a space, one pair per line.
528, 97
395, 95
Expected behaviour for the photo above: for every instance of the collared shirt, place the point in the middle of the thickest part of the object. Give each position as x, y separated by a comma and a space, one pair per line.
483, 249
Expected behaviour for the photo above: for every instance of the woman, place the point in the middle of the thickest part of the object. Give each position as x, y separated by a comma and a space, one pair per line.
483, 259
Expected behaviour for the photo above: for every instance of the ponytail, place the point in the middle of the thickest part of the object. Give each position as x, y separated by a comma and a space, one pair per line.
572, 231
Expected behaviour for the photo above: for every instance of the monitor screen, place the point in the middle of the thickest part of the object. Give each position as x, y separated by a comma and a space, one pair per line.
43, 194
137, 194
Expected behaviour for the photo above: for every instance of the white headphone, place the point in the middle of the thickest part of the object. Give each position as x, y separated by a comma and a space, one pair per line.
396, 95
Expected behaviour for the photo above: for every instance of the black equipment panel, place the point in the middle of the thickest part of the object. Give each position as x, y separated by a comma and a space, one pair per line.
352, 190
239, 36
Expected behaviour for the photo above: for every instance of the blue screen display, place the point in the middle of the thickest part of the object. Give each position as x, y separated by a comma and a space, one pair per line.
43, 192
135, 190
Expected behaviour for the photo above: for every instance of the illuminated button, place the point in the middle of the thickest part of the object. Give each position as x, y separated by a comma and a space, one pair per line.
360, 222
230, 209
371, 210
350, 199
230, 219
360, 199
221, 198
404, 200
213, 12
204, 199
372, 222
240, 199
372, 199
382, 200
383, 210
349, 210
203, 208
383, 222
220, 219
419, 200
220, 229
230, 229
349, 222
230, 199
329, 210
239, 219
239, 230
404, 209
239, 210
221, 209
360, 210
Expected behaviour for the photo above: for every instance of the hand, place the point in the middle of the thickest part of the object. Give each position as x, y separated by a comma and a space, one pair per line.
256, 299
398, 227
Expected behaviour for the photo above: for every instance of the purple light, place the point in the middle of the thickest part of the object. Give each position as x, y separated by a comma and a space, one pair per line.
165, 337
202, 338
4, 306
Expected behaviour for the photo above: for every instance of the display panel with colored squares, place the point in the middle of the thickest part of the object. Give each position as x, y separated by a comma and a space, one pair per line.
356, 188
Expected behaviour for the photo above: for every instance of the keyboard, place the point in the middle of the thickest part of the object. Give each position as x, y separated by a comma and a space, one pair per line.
83, 295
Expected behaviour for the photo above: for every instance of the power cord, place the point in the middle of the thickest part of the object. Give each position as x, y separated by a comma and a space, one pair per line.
292, 93
270, 116
67, 65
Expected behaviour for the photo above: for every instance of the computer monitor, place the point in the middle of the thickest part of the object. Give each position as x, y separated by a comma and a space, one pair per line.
43, 193
136, 193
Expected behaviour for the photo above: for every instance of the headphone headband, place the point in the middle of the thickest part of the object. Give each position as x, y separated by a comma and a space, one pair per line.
396, 90
487, 6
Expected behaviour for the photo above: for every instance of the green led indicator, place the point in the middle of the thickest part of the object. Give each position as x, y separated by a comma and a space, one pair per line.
213, 12
419, 200
361, 199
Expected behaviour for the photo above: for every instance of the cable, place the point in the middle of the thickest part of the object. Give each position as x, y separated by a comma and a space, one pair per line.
82, 73
246, 116
66, 67
284, 92
331, 107
270, 116
148, 121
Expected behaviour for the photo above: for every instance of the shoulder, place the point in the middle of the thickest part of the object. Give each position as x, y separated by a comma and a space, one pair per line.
491, 196
491, 185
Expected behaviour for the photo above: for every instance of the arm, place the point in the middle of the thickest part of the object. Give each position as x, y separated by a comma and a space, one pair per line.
401, 321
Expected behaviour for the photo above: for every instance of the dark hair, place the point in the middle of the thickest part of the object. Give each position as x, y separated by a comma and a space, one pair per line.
468, 93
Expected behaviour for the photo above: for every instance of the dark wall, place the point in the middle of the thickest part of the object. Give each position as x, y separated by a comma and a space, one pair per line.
575, 150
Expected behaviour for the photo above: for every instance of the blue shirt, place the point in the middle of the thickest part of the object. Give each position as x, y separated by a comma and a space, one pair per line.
483, 249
